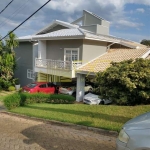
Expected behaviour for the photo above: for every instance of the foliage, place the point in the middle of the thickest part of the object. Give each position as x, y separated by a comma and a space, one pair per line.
61, 99
126, 83
11, 88
12, 101
7, 60
17, 82
26, 98
145, 42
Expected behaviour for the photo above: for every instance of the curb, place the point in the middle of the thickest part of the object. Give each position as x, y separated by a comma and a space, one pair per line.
78, 127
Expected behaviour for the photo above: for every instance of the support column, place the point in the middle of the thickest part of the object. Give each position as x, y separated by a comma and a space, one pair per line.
42, 49
80, 87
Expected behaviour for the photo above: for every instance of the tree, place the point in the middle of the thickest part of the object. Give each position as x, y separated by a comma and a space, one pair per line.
126, 83
11, 42
145, 42
7, 60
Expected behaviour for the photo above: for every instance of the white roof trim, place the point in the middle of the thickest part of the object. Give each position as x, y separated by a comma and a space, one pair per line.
128, 45
146, 54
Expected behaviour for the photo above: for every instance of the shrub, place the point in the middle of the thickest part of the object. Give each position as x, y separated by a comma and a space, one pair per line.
21, 99
12, 101
61, 99
126, 83
11, 88
27, 98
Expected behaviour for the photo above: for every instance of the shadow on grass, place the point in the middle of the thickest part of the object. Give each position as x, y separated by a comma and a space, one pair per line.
111, 118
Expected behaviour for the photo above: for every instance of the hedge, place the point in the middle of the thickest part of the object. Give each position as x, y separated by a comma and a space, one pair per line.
21, 99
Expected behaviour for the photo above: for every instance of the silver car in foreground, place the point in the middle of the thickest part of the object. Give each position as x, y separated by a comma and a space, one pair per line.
135, 134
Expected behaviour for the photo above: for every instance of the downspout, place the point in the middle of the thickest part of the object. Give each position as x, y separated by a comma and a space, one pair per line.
108, 47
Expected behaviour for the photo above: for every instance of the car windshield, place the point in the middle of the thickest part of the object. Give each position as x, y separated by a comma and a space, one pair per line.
31, 85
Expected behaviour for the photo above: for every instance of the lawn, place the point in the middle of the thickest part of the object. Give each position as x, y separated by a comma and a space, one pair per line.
3, 94
109, 117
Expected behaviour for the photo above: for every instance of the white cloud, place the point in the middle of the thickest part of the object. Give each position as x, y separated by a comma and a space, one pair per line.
141, 10
129, 23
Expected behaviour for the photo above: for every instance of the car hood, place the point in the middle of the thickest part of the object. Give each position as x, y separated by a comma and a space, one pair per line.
140, 122
91, 96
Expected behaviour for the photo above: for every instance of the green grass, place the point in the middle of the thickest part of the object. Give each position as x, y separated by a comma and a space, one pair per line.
3, 94
109, 117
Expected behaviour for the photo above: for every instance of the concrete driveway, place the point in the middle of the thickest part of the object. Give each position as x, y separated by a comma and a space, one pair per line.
18, 133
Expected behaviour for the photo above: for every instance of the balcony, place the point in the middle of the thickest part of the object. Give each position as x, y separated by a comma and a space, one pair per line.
57, 67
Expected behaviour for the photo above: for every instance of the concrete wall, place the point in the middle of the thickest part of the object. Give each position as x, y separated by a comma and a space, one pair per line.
102, 30
92, 49
24, 56
89, 19
55, 49
92, 28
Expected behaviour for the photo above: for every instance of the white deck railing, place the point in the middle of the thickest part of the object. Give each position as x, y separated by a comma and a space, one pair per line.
57, 64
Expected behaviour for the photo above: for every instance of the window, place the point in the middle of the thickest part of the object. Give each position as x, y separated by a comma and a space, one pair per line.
30, 74
43, 86
71, 54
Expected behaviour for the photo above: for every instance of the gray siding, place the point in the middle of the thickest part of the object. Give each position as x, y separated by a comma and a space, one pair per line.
55, 49
92, 49
24, 56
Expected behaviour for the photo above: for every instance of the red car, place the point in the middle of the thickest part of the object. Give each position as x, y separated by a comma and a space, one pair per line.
43, 87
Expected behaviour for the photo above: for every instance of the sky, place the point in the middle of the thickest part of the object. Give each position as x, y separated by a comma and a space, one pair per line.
129, 19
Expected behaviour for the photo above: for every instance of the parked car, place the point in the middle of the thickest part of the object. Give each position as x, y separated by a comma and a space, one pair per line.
71, 89
43, 87
91, 98
135, 134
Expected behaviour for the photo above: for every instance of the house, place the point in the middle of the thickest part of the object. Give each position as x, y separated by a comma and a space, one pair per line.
63, 51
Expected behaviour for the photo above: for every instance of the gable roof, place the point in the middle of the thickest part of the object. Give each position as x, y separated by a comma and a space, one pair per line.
116, 55
55, 23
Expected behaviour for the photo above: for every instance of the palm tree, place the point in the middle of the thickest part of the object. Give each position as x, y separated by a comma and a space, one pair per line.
12, 42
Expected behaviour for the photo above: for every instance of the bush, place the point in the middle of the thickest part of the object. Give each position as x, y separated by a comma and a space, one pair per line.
12, 101
126, 83
61, 99
21, 99
11, 88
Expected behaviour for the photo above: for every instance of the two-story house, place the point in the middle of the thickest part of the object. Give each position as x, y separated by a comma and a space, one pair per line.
63, 51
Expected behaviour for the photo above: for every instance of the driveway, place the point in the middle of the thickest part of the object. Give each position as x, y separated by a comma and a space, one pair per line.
27, 134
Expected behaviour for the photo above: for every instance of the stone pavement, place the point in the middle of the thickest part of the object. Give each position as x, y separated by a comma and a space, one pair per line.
18, 133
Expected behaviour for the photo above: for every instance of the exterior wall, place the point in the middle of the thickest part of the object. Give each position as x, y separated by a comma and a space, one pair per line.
91, 28
42, 49
89, 19
92, 49
102, 30
24, 56
55, 49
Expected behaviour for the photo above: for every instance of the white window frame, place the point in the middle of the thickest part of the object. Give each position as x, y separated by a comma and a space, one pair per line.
30, 74
71, 49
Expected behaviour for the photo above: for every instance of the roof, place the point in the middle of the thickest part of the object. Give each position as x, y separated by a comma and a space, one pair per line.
60, 33
57, 22
116, 55
95, 15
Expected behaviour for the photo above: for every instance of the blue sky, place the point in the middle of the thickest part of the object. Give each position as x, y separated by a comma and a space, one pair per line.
129, 18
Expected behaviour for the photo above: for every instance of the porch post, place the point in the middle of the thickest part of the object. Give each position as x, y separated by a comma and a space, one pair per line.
80, 87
